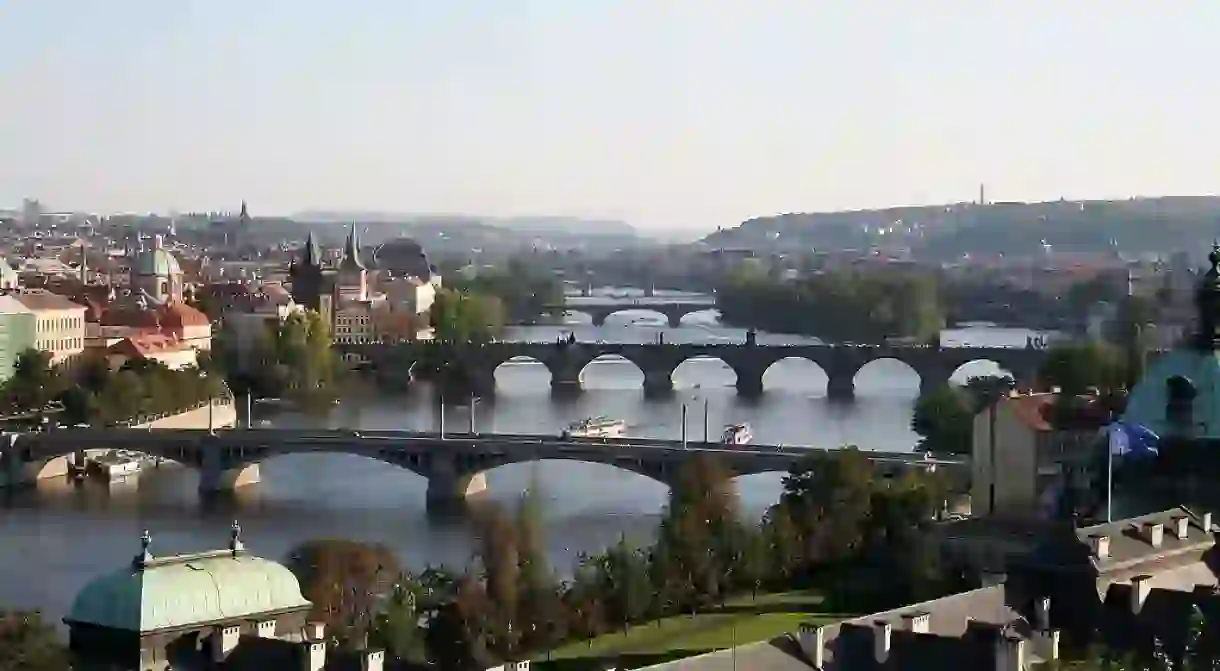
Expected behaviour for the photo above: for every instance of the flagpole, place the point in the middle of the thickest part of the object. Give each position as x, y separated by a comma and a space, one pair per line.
1110, 474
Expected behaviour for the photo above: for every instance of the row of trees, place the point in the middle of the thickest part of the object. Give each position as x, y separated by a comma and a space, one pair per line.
94, 394
836, 528
843, 306
291, 358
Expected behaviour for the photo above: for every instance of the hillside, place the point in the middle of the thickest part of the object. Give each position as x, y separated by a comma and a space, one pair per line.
943, 232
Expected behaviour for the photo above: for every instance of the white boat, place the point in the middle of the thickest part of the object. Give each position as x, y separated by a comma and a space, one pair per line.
118, 465
736, 434
596, 427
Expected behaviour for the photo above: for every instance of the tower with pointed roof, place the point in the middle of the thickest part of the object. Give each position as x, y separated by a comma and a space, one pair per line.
352, 281
307, 276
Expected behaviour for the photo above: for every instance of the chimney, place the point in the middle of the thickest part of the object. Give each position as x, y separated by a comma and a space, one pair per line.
813, 643
1181, 526
1139, 592
1014, 393
266, 629
313, 655
1056, 390
1155, 533
315, 631
1042, 613
1011, 654
881, 641
1207, 523
916, 622
224, 640
517, 666
372, 660
158, 241
1101, 545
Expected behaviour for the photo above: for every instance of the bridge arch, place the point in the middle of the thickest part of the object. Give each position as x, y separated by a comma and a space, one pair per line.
796, 373
521, 471
697, 315
888, 376
523, 372
702, 371
611, 371
630, 315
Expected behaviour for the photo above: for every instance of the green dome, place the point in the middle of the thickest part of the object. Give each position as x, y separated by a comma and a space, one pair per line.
187, 590
1149, 401
155, 262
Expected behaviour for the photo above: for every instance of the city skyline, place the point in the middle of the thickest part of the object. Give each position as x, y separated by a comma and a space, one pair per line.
664, 115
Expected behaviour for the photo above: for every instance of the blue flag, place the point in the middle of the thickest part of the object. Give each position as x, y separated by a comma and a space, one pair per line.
1132, 440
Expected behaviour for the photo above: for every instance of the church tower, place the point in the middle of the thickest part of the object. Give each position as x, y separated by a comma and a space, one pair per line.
306, 275
353, 276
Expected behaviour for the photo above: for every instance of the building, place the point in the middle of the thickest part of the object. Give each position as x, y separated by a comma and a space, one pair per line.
1022, 465
225, 609
156, 274
9, 280
18, 333
59, 324
1179, 395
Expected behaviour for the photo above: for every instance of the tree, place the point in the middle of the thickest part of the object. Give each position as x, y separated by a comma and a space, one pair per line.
984, 390
829, 497
1077, 367
346, 581
35, 382
395, 628
944, 420
459, 317
395, 325
27, 643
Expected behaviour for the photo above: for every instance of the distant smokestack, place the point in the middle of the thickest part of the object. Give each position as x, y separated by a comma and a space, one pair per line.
982, 194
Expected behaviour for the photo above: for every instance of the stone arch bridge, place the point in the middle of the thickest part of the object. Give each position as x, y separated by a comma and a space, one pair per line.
566, 362
455, 466
673, 310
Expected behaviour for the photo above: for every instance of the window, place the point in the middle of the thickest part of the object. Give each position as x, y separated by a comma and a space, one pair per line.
1180, 395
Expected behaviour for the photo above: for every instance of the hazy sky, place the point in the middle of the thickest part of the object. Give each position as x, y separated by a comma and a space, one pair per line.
664, 113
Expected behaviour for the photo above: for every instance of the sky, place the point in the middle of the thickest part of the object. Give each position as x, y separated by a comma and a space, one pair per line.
662, 113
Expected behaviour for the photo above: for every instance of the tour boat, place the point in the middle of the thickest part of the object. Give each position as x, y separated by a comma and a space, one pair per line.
596, 427
736, 434
117, 465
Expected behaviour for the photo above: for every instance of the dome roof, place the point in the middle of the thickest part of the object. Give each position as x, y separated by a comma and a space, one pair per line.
1149, 400
156, 262
403, 257
187, 590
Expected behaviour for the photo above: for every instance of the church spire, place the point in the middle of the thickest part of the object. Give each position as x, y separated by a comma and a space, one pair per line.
351, 252
1207, 302
244, 217
311, 256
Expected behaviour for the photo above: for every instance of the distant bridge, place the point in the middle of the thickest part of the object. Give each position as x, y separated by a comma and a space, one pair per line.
454, 465
599, 309
567, 362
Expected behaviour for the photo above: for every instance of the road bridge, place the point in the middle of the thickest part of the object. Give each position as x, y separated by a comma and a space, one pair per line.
567, 362
599, 309
454, 464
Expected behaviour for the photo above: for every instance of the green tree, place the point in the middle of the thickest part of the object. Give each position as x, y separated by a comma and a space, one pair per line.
829, 497
1077, 367
396, 627
459, 317
34, 383
944, 420
27, 643
984, 390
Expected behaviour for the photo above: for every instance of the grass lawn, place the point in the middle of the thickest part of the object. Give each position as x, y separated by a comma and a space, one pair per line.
741, 621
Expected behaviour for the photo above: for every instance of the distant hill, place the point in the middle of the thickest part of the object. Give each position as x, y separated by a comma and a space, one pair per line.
1137, 225
541, 225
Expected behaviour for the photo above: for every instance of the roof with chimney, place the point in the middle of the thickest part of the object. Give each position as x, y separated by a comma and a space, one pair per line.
1168, 545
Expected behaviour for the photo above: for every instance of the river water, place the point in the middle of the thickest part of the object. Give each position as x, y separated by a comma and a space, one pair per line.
56, 537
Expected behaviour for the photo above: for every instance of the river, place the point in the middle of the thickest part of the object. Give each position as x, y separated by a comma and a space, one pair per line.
57, 537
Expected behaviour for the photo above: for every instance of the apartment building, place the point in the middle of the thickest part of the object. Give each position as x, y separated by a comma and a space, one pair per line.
59, 324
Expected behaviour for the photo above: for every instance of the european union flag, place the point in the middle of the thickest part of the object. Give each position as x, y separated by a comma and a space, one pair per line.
1132, 440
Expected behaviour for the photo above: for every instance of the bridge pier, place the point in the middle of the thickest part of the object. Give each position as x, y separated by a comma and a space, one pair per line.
841, 386
749, 385
213, 480
566, 387
658, 383
448, 491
